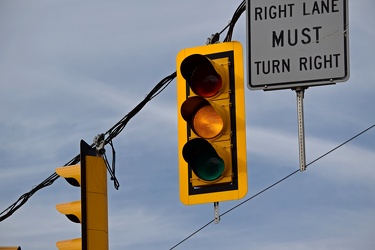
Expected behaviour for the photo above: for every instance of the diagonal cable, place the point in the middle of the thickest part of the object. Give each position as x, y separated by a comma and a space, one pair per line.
272, 185
111, 134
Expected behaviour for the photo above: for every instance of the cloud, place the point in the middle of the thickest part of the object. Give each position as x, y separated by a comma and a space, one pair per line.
70, 70
349, 163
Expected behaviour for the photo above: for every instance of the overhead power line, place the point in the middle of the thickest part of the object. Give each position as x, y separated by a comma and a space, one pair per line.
271, 186
111, 134
118, 127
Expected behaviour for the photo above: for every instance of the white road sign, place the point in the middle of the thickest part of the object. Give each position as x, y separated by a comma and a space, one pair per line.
295, 43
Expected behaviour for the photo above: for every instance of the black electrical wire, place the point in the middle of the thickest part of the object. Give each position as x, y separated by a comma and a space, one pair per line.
271, 186
342, 144
112, 171
240, 9
24, 198
215, 37
252, 197
118, 127
111, 134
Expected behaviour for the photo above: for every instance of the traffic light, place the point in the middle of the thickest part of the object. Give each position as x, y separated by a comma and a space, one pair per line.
211, 123
92, 210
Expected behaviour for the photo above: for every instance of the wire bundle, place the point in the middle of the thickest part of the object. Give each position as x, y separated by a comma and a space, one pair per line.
111, 134
119, 126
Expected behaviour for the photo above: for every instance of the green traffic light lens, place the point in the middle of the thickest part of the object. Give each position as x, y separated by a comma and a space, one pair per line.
203, 159
209, 168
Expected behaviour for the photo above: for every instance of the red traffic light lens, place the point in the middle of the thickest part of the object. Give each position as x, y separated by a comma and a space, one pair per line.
205, 81
203, 159
201, 75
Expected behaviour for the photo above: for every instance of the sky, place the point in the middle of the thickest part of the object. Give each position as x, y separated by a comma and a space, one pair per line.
69, 70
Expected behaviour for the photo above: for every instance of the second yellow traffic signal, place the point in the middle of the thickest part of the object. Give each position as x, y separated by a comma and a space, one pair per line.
92, 210
211, 123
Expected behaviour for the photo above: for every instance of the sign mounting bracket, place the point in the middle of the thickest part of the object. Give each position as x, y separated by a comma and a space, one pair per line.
216, 213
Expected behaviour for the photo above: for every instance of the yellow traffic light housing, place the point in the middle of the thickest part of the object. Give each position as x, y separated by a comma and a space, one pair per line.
92, 210
211, 123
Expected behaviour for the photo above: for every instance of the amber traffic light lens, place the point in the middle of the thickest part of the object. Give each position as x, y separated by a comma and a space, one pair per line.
207, 123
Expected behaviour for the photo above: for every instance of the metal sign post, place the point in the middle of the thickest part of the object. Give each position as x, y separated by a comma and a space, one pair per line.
300, 91
296, 44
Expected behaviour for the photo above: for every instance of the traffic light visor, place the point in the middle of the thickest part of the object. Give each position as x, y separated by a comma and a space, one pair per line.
72, 210
72, 174
203, 159
201, 75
